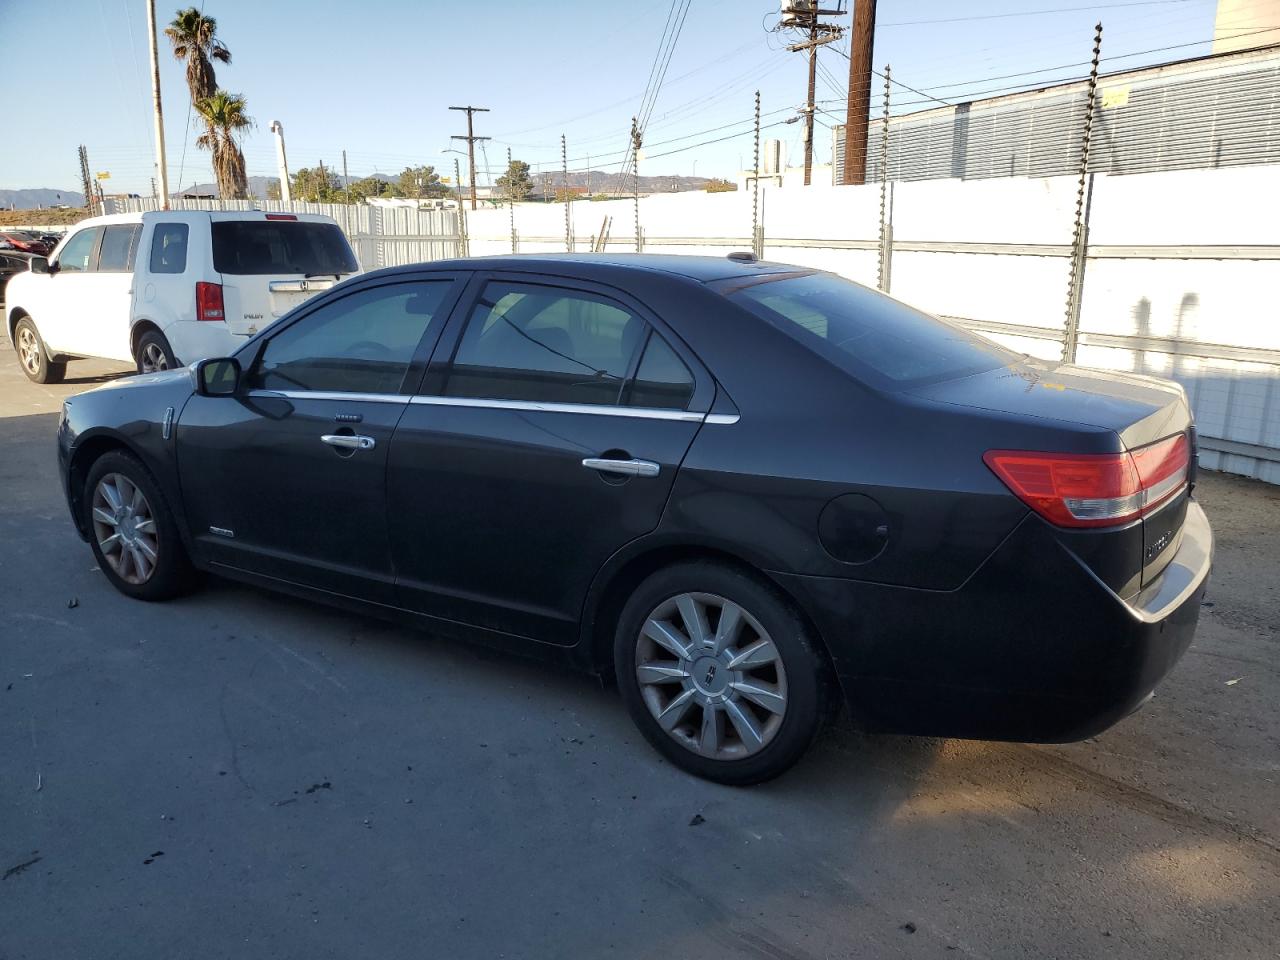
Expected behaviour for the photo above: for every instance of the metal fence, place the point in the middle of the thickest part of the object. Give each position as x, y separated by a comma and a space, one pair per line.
381, 236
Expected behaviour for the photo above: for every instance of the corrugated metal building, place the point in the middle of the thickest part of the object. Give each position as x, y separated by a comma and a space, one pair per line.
1215, 111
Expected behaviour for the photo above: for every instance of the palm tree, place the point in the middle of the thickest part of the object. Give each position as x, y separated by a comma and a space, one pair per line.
224, 116
192, 36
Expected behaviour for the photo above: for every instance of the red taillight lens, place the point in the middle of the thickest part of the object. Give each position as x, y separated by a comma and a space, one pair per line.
281, 216
1094, 490
209, 301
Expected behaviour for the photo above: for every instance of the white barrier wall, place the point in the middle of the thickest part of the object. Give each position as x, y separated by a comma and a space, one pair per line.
1181, 279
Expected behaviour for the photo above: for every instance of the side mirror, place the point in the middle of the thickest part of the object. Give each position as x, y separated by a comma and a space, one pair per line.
40, 265
218, 378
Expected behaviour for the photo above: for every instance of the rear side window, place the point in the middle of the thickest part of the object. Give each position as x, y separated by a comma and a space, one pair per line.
874, 337
361, 343
528, 342
169, 248
662, 380
74, 257
119, 244
288, 247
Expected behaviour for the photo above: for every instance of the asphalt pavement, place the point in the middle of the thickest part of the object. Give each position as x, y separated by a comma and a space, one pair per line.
239, 774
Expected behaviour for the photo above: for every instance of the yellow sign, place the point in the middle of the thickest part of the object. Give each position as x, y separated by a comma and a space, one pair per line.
445, 180
1115, 97
104, 174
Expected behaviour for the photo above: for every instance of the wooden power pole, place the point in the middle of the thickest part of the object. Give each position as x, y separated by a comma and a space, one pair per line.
809, 19
471, 139
162, 167
858, 112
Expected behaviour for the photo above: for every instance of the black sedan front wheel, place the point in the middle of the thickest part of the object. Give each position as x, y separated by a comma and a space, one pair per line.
132, 532
719, 673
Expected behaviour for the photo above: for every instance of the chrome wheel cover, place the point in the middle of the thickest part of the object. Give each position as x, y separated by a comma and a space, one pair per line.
153, 358
29, 350
711, 676
125, 528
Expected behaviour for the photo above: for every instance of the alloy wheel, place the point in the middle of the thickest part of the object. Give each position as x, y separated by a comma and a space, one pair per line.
125, 528
153, 358
29, 350
711, 676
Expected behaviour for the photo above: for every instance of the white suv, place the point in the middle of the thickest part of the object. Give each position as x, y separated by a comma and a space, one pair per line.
166, 288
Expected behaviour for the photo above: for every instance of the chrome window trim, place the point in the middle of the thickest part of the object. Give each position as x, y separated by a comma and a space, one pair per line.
602, 410
332, 395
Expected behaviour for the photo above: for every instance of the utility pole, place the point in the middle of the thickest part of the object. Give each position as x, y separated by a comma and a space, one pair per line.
568, 214
858, 112
162, 168
809, 19
324, 184
511, 201
285, 193
471, 139
346, 183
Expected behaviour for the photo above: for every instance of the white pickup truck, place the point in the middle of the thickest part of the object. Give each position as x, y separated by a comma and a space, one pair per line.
166, 288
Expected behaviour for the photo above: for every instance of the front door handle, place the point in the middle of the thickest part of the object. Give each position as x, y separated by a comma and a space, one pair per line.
348, 442
623, 468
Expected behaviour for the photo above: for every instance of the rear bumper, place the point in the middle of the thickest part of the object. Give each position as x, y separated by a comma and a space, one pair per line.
1033, 647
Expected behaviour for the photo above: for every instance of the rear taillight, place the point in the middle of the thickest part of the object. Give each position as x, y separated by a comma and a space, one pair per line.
281, 216
209, 301
1094, 490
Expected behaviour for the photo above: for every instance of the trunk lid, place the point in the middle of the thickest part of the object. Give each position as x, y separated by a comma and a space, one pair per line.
1139, 409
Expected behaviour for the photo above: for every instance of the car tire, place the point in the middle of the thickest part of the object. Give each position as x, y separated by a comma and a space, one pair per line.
153, 353
739, 709
32, 355
123, 502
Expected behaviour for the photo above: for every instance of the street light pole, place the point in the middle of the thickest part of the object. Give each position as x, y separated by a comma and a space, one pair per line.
162, 168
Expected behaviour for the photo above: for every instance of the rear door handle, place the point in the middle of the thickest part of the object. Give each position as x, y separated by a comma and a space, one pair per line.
624, 468
348, 442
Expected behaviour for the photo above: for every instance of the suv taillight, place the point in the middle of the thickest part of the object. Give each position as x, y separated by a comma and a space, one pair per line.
209, 301
1095, 490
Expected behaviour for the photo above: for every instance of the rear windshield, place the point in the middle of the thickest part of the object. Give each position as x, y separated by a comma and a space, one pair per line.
256, 247
874, 337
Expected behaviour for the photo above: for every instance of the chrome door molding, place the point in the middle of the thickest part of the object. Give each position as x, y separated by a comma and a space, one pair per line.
599, 410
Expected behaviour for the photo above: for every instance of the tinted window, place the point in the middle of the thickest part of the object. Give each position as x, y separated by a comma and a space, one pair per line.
662, 379
75, 255
256, 247
874, 336
118, 246
169, 248
526, 342
361, 343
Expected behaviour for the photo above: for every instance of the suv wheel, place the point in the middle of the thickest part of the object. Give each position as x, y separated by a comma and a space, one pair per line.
131, 530
153, 353
720, 673
32, 355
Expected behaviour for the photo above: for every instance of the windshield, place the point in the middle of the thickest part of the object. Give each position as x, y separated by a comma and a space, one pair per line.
876, 338
256, 247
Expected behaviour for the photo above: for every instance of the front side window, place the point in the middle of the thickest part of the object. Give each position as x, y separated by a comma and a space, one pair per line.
74, 257
169, 248
119, 243
361, 343
876, 338
281, 247
529, 342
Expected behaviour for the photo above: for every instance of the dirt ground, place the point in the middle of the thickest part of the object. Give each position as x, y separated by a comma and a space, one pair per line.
237, 773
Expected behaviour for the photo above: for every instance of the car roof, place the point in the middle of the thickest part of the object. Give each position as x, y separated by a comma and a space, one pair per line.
589, 265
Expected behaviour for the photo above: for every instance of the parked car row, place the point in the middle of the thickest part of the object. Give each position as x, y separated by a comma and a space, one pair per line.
165, 288
750, 492
27, 241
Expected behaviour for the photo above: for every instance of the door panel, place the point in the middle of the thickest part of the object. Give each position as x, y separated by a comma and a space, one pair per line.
109, 290
264, 493
496, 522
66, 298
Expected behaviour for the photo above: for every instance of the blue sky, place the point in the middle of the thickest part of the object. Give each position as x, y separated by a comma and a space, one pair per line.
377, 78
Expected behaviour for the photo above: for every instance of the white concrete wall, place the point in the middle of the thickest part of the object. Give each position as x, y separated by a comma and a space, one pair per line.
1188, 305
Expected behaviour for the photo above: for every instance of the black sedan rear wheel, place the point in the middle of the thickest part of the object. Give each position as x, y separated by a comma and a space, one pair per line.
719, 673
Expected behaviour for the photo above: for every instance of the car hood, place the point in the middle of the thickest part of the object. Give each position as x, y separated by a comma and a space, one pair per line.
1140, 409
162, 380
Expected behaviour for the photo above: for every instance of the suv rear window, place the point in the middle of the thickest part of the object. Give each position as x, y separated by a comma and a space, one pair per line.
257, 247
876, 338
